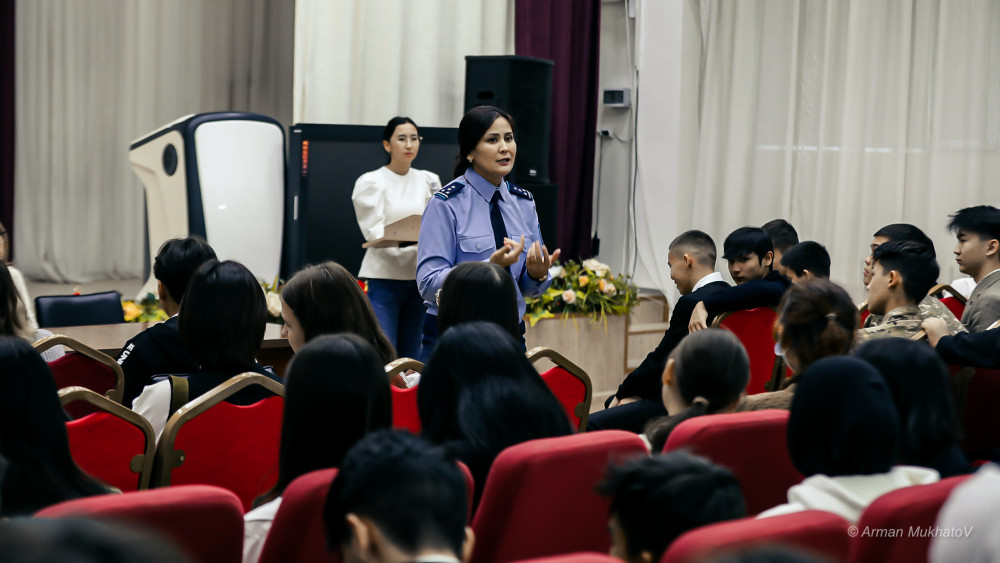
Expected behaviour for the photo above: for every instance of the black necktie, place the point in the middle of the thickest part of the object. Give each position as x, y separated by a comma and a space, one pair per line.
496, 219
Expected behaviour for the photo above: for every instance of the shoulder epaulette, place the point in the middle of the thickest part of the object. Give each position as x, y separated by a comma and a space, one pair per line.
520, 192
449, 190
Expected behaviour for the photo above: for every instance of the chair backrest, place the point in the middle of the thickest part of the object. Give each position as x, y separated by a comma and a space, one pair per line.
569, 383
79, 310
863, 313
211, 442
915, 507
578, 557
955, 301
750, 444
539, 498
84, 367
114, 445
822, 533
297, 533
404, 401
205, 522
977, 392
753, 328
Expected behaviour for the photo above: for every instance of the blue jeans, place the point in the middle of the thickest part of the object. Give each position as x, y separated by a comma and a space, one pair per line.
399, 309
431, 337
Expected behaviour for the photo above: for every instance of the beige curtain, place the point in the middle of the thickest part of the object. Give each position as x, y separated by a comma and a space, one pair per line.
364, 62
92, 76
840, 117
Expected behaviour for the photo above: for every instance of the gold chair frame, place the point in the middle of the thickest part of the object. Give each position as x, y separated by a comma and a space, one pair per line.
582, 409
114, 394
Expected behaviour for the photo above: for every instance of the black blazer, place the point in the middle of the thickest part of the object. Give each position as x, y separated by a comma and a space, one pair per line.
765, 292
645, 381
980, 349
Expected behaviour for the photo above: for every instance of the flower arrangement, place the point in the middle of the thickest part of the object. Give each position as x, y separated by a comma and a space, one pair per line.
272, 294
146, 310
587, 288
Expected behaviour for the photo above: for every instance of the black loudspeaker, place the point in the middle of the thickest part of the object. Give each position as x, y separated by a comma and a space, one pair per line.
522, 86
547, 205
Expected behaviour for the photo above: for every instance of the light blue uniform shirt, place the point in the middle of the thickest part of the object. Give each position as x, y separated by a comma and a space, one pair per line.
456, 228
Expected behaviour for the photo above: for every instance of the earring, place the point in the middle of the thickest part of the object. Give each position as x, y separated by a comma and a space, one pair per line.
469, 158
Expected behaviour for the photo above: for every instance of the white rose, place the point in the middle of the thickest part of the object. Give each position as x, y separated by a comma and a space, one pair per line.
556, 272
569, 297
599, 268
610, 290
274, 304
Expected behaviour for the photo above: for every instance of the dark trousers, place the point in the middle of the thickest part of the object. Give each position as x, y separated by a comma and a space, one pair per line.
431, 337
399, 309
631, 417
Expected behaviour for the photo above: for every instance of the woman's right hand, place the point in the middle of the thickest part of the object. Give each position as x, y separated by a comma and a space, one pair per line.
508, 253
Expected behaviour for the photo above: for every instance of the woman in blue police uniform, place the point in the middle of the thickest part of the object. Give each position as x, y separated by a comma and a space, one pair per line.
480, 216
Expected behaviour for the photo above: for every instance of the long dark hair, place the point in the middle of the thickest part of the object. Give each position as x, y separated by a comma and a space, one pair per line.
336, 389
919, 383
479, 291
479, 394
12, 320
475, 123
712, 369
223, 316
40, 470
327, 299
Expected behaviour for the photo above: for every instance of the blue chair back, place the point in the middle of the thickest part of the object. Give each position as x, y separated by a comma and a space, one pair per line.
79, 310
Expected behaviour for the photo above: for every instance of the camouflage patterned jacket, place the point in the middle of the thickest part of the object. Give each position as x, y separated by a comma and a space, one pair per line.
904, 322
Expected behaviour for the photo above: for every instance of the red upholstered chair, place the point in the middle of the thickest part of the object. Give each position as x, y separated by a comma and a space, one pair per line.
754, 329
539, 498
84, 367
114, 444
404, 401
750, 444
955, 302
863, 313
823, 533
578, 557
978, 411
205, 522
915, 506
569, 383
211, 442
297, 533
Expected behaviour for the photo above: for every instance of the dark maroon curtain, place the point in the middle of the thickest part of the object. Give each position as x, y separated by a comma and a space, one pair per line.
568, 32
7, 113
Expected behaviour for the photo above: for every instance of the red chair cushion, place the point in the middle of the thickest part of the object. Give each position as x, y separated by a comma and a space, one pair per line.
750, 444
298, 532
916, 506
823, 533
539, 498
579, 557
753, 328
404, 409
103, 446
205, 522
954, 305
74, 368
569, 391
232, 446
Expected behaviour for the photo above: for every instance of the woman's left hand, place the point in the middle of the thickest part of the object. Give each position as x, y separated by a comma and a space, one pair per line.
539, 260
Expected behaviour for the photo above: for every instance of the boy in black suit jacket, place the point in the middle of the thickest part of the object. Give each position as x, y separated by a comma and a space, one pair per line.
692, 268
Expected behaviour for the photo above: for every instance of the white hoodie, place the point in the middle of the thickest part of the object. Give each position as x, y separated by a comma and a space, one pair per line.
849, 495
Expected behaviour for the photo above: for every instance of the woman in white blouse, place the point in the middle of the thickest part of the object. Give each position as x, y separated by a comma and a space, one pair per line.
381, 197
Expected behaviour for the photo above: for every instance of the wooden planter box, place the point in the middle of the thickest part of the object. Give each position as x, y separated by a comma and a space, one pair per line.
596, 347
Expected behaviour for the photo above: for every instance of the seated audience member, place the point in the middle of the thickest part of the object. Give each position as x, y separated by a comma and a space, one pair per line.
981, 350
159, 348
691, 258
222, 320
79, 540
18, 279
920, 387
750, 255
978, 255
707, 373
336, 393
843, 436
40, 471
326, 299
654, 500
479, 394
783, 237
902, 274
806, 260
396, 498
816, 319
479, 291
973, 506
930, 306
13, 318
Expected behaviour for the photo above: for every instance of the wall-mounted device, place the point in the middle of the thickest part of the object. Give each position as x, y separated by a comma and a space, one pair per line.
618, 98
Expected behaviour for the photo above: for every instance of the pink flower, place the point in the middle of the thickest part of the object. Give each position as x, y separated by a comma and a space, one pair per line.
569, 297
